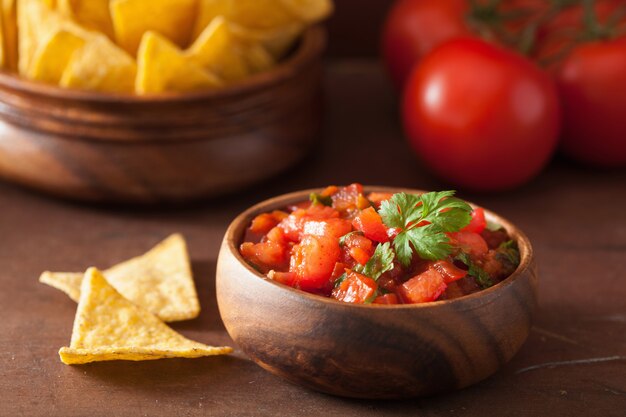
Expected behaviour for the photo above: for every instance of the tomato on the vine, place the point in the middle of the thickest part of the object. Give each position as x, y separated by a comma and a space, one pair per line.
480, 116
414, 27
592, 85
587, 57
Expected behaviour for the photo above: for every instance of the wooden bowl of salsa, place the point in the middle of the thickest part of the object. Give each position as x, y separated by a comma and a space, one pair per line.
372, 350
172, 147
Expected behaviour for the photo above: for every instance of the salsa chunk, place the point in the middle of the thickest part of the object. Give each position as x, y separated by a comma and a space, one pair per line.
381, 248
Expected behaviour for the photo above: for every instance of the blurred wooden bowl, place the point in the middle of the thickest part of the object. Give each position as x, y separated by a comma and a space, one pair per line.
104, 147
367, 351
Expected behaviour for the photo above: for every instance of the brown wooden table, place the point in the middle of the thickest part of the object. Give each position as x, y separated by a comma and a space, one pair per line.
574, 362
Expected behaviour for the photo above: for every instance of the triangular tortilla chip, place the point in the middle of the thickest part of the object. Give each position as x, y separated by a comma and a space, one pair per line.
173, 19
159, 281
109, 327
100, 66
162, 67
92, 14
53, 56
226, 56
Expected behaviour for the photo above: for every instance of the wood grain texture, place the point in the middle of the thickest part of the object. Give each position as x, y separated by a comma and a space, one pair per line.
169, 147
372, 351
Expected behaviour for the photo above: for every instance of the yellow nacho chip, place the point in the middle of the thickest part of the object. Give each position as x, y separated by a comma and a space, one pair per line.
35, 21
92, 14
162, 67
109, 327
251, 14
276, 41
100, 66
159, 281
53, 56
226, 56
2, 46
173, 19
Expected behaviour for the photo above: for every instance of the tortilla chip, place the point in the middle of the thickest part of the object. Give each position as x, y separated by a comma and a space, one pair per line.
219, 52
91, 14
173, 19
35, 21
275, 41
162, 67
251, 14
109, 327
53, 56
9, 26
159, 281
100, 66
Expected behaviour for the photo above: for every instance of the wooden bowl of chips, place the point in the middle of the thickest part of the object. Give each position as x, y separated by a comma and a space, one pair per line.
372, 351
168, 147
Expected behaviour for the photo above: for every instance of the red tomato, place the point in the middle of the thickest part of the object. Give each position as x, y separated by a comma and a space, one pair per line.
371, 224
266, 255
313, 261
293, 225
478, 222
480, 116
414, 27
448, 271
329, 227
356, 288
427, 286
471, 243
592, 84
387, 299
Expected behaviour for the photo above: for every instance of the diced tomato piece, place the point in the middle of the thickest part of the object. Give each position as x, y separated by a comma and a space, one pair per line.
359, 247
287, 278
330, 227
378, 198
313, 261
390, 298
471, 243
427, 286
448, 271
370, 223
266, 255
360, 255
347, 198
264, 222
330, 190
356, 288
276, 235
293, 225
338, 270
478, 222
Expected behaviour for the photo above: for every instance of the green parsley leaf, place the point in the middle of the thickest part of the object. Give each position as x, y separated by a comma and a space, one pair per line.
321, 199
380, 262
442, 210
342, 239
481, 277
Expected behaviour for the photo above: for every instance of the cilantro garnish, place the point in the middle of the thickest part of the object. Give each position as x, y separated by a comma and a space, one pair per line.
440, 212
481, 277
321, 199
380, 262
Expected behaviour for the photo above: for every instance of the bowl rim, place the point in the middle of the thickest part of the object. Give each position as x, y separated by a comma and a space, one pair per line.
525, 247
310, 45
